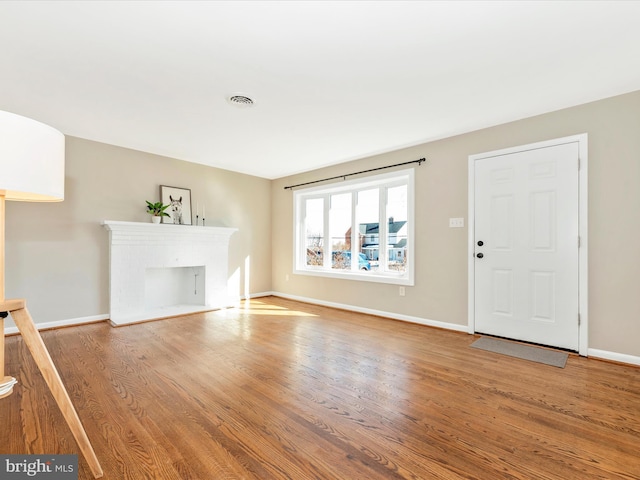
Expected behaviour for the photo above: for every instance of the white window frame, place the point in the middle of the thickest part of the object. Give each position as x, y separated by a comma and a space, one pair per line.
382, 181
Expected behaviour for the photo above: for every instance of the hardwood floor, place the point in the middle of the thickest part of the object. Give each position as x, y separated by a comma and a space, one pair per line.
285, 390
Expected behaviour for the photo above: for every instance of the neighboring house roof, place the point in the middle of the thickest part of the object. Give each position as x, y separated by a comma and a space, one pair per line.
368, 229
401, 244
373, 228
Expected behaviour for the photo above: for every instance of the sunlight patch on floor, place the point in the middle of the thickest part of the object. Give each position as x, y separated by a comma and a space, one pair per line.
256, 307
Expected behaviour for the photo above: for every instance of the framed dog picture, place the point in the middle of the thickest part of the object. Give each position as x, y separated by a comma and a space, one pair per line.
179, 201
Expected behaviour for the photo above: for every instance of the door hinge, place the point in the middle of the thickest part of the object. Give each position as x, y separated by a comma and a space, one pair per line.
579, 320
578, 163
578, 241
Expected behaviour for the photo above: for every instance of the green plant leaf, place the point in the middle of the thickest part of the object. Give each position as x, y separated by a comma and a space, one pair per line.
157, 209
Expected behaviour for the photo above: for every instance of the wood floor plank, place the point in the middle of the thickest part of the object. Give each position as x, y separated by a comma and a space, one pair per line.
279, 389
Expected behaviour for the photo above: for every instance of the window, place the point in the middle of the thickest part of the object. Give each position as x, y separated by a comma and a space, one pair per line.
360, 229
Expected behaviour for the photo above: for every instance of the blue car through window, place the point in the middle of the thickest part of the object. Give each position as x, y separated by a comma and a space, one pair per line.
342, 260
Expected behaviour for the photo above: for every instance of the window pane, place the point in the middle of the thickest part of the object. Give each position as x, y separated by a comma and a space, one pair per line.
340, 231
314, 231
397, 232
368, 221
357, 229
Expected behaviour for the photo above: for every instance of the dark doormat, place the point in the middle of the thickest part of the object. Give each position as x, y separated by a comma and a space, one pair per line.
518, 350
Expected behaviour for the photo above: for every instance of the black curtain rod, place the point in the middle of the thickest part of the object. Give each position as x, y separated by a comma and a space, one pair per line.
419, 162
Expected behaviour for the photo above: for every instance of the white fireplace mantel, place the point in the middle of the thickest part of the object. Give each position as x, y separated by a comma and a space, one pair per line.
139, 252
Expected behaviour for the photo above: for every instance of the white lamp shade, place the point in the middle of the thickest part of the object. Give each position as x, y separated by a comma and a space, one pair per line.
31, 160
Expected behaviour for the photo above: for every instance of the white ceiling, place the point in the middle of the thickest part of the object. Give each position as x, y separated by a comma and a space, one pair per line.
332, 81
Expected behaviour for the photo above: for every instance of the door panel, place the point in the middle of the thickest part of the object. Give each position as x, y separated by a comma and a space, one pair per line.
526, 216
502, 292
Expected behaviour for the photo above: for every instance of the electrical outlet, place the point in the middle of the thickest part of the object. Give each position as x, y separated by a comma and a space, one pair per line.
456, 222
402, 292
286, 277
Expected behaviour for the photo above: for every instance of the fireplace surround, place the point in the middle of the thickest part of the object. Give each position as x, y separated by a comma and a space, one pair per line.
160, 271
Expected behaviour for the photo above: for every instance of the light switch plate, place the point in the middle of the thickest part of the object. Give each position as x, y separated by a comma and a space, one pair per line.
456, 222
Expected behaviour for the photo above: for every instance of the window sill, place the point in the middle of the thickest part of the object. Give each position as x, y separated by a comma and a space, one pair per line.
359, 277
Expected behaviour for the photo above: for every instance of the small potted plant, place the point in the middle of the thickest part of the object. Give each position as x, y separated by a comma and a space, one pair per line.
157, 210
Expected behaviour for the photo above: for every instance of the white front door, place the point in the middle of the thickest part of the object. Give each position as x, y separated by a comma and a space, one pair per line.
526, 235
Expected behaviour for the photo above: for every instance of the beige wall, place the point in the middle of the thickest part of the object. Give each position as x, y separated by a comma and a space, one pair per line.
57, 253
440, 291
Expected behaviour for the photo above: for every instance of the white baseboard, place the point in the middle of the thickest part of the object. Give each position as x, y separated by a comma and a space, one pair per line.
379, 313
613, 356
99, 318
259, 294
61, 323
591, 352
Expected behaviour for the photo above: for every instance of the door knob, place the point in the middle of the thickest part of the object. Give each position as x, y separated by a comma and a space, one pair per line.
480, 255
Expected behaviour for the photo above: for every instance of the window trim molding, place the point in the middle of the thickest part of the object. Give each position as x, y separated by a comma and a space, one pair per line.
401, 177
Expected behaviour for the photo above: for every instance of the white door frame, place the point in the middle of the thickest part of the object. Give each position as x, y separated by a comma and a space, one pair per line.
583, 277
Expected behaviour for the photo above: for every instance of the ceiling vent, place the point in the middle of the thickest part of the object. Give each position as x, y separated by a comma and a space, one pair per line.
241, 101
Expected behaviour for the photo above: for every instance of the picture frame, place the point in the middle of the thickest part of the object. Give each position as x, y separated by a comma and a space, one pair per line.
179, 201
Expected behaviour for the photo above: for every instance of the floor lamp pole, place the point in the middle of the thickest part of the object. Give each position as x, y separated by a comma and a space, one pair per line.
33, 340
